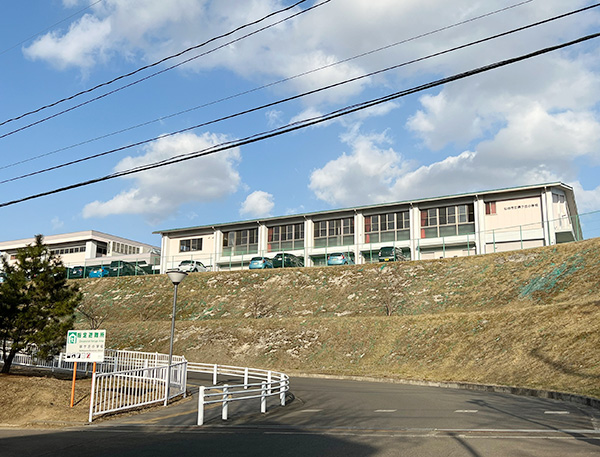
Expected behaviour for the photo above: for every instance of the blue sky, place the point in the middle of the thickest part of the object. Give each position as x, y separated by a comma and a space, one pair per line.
532, 122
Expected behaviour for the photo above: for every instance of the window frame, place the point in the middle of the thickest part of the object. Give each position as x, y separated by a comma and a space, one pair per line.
450, 220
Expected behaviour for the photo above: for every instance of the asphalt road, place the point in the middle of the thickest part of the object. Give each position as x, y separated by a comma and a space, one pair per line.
336, 418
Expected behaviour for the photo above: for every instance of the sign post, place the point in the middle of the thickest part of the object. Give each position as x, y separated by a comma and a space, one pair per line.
84, 346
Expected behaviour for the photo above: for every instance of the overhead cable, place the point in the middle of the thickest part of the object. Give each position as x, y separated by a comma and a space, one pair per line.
307, 122
274, 83
145, 67
291, 98
137, 81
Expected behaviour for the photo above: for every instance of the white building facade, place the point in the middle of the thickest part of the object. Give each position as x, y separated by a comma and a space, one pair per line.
447, 226
88, 248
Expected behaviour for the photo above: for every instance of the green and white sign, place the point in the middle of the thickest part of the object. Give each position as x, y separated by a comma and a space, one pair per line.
85, 345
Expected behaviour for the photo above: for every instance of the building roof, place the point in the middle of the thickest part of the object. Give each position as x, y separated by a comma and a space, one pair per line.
72, 237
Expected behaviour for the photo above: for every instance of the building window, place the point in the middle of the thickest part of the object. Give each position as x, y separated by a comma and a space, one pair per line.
194, 244
240, 242
387, 227
447, 221
490, 208
336, 232
101, 249
122, 248
285, 237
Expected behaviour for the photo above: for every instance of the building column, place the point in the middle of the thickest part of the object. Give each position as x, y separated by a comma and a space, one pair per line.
309, 241
90, 250
547, 217
359, 235
164, 253
263, 234
218, 248
479, 211
415, 232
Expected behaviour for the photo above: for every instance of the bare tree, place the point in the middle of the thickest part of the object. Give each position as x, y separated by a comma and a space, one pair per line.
258, 305
94, 313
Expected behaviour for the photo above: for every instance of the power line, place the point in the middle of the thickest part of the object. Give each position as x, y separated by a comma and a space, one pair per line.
230, 97
294, 97
133, 83
49, 28
307, 122
145, 67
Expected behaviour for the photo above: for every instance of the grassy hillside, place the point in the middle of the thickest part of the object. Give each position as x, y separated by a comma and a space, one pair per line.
527, 318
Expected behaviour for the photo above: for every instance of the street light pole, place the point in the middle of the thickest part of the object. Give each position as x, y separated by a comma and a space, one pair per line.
176, 277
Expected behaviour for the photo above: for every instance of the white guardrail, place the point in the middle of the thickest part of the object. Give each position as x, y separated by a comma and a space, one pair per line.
130, 379
270, 383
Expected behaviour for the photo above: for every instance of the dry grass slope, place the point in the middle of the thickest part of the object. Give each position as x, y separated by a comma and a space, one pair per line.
527, 318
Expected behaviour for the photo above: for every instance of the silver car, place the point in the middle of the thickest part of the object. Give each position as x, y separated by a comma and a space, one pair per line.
192, 265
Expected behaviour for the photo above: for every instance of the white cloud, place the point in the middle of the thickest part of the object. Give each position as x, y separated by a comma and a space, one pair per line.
529, 122
533, 147
159, 192
331, 33
587, 200
462, 112
365, 175
274, 118
257, 204
57, 223
86, 42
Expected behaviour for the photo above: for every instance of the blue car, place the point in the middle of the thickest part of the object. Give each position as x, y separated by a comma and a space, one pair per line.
260, 263
98, 272
340, 258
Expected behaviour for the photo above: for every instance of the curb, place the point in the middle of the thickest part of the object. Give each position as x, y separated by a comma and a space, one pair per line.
522, 391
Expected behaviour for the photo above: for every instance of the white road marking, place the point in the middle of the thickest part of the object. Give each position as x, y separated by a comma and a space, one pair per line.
386, 410
310, 411
557, 412
470, 411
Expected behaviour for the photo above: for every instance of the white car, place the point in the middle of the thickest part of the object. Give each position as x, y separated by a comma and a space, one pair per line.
192, 265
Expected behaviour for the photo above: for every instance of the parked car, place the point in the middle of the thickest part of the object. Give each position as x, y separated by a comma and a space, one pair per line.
260, 262
122, 268
76, 272
340, 258
146, 267
390, 254
99, 272
287, 260
192, 265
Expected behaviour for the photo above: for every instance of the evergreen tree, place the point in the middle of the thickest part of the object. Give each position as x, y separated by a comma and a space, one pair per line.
36, 303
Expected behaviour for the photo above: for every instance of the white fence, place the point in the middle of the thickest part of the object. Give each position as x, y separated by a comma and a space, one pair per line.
121, 390
270, 383
130, 379
125, 380
114, 360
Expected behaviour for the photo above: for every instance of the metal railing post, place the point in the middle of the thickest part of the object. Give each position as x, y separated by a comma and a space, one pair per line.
263, 398
225, 403
184, 380
92, 394
521, 235
269, 378
215, 369
201, 405
282, 390
246, 378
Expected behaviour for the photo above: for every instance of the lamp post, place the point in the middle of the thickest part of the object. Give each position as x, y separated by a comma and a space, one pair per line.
176, 277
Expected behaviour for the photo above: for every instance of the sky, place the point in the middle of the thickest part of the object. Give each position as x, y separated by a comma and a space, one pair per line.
530, 122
